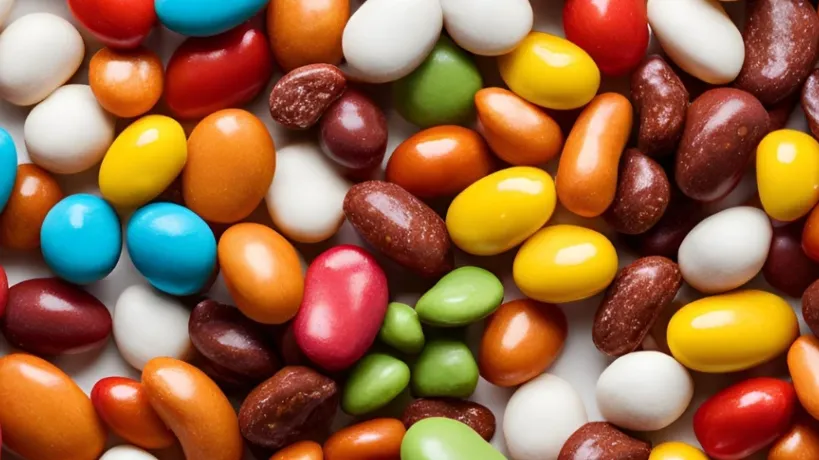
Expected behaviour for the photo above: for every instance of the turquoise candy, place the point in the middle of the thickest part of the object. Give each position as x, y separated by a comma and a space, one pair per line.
375, 381
463, 296
81, 239
402, 329
438, 438
172, 247
203, 18
446, 367
8, 167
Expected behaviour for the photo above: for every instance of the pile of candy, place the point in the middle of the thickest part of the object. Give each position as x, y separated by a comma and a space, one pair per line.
182, 168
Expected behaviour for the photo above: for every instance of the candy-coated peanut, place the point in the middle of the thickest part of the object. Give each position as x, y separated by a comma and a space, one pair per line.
35, 192
378, 439
587, 174
676, 451
787, 174
306, 32
304, 450
194, 408
800, 442
126, 83
564, 263
803, 364
123, 405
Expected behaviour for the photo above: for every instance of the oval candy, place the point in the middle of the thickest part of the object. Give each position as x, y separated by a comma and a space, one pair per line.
787, 267
461, 297
445, 368
436, 438
370, 440
354, 132
642, 196
306, 32
121, 25
803, 366
8, 167
787, 173
126, 83
124, 452
401, 329
123, 405
660, 102
33, 194
474, 415
487, 27
374, 382
197, 18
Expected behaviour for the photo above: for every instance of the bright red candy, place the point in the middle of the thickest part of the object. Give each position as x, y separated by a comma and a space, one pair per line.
209, 74
744, 418
4, 290
613, 32
345, 300
122, 24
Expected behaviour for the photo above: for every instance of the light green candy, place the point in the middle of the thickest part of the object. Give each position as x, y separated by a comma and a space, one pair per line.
402, 329
445, 367
375, 381
463, 296
439, 438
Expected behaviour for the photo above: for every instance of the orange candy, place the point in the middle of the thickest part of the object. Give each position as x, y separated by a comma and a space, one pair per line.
35, 193
803, 364
306, 31
126, 83
800, 442
262, 271
231, 161
521, 340
305, 450
194, 407
44, 414
439, 162
519, 132
587, 173
377, 439
810, 235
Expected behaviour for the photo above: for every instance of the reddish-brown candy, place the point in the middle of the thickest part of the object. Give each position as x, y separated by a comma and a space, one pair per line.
800, 442
633, 303
780, 113
401, 226
810, 235
300, 98
602, 441
661, 100
810, 307
354, 132
642, 196
810, 101
35, 192
787, 267
470, 413
664, 239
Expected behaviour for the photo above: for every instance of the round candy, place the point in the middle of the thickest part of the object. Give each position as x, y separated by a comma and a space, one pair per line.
787, 173
119, 24
126, 83
35, 192
81, 239
126, 453
8, 167
172, 247
676, 451
203, 18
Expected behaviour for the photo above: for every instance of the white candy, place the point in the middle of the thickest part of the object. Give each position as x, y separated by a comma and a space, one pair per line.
540, 417
69, 131
126, 453
387, 39
487, 27
38, 53
149, 325
726, 250
306, 196
5, 10
699, 36
644, 391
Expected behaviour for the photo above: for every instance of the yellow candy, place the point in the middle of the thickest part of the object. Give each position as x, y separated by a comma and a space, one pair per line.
564, 263
143, 161
787, 173
732, 332
676, 451
551, 72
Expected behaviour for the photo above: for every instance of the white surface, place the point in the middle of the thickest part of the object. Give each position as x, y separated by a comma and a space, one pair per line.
580, 363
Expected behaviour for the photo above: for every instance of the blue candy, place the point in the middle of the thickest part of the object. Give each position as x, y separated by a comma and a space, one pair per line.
81, 239
8, 167
172, 247
203, 18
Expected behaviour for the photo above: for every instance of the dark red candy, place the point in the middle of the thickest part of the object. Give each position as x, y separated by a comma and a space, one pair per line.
354, 132
4, 290
787, 267
120, 24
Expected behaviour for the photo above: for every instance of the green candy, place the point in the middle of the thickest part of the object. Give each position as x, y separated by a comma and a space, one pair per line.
463, 296
446, 367
402, 329
439, 438
441, 91
375, 381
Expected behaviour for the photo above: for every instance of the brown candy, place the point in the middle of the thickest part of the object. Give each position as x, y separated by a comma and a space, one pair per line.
660, 99
781, 40
354, 132
35, 192
642, 196
810, 101
401, 226
633, 302
810, 307
722, 130
787, 267
780, 113
478, 417
602, 441
294, 405
300, 98
800, 442
664, 239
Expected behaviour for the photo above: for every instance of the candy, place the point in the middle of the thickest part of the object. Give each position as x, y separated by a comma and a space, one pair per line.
123, 405
299, 98
500, 211
198, 18
564, 263
666, 236
445, 367
306, 32
303, 450
4, 291
600, 441
68, 148
34, 193
8, 167
374, 381
810, 101
642, 195
401, 329
371, 440
803, 365
787, 173
126, 83
487, 27
126, 453
787, 267
439, 438
470, 413
801, 441
81, 239
660, 101
676, 451
148, 324
354, 132
124, 24
810, 306
463, 296
751, 327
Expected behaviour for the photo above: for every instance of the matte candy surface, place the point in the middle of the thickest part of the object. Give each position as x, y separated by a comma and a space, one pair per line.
203, 18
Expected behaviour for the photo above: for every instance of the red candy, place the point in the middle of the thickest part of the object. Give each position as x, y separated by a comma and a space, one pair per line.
4, 290
744, 418
345, 300
120, 24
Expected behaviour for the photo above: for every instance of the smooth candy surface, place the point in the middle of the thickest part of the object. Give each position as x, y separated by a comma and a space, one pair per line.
302, 450
126, 83
476, 416
122, 24
203, 18
126, 453
487, 27
354, 132
676, 451
8, 167
803, 366
306, 32
439, 438
34, 193
601, 440
445, 367
374, 381
462, 297
373, 439
123, 405
787, 267
787, 174
642, 197
4, 291
800, 442
402, 329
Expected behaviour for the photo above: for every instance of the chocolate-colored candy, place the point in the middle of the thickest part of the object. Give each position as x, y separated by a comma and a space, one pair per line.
779, 113
401, 226
781, 41
294, 405
664, 238
478, 417
633, 303
602, 441
660, 99
300, 98
722, 130
236, 348
354, 132
642, 196
787, 267
810, 101
810, 307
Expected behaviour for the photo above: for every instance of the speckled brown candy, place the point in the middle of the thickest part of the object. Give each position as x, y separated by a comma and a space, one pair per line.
781, 40
810, 101
401, 226
722, 130
633, 302
294, 405
300, 98
478, 417
642, 196
660, 99
602, 441
354, 132
810, 307
787, 267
